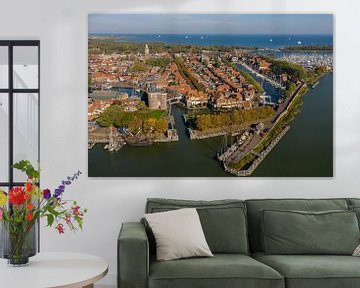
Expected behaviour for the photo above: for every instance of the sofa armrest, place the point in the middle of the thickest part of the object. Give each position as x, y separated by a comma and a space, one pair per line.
133, 256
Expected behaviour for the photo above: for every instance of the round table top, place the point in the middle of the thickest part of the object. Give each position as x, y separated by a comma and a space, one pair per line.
68, 270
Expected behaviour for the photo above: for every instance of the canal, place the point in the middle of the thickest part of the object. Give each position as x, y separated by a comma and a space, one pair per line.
305, 151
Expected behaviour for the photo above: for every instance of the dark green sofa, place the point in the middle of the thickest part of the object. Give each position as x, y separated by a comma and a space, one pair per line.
232, 230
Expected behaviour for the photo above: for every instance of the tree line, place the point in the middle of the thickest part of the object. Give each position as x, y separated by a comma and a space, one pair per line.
281, 66
308, 48
190, 79
147, 121
235, 117
111, 45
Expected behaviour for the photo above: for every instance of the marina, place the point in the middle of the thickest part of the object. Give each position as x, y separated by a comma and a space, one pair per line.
261, 76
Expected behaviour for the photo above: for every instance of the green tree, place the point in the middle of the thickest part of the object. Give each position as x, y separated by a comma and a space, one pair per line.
138, 67
135, 124
160, 62
291, 87
149, 124
161, 125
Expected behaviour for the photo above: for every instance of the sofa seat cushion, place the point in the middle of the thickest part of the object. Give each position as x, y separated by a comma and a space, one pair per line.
222, 270
313, 271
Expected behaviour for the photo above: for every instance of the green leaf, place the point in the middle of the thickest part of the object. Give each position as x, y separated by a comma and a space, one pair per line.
26, 167
50, 219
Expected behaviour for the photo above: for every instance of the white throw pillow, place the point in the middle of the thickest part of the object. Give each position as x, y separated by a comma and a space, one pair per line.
178, 234
357, 251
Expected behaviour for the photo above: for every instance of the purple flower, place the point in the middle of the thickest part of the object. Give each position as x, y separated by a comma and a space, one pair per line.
64, 183
46, 194
57, 193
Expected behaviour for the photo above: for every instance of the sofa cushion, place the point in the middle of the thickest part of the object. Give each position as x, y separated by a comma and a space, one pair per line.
356, 209
222, 270
178, 234
297, 232
224, 221
313, 271
353, 201
255, 206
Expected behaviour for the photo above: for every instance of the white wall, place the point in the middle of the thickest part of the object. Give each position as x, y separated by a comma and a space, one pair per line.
62, 28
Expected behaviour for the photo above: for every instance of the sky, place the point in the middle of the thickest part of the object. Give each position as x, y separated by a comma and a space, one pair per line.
288, 24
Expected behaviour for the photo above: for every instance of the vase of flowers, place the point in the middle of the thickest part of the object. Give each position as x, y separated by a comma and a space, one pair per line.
22, 207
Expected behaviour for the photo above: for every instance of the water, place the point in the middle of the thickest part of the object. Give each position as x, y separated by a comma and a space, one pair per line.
270, 90
261, 41
184, 158
305, 151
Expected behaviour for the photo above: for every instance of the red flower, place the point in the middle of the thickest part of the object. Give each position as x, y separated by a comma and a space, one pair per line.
29, 186
75, 209
17, 196
60, 228
29, 217
29, 206
27, 196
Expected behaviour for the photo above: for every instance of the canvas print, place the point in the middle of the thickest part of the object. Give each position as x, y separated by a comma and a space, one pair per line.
210, 95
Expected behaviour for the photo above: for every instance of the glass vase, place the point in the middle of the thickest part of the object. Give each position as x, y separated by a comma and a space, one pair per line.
18, 242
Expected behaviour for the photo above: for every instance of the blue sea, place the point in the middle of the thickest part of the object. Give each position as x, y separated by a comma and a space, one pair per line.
261, 41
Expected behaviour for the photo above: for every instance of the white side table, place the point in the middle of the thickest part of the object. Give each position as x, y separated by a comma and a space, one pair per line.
50, 270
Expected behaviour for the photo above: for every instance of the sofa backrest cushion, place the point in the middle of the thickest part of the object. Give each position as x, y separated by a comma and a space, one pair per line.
353, 202
223, 221
297, 232
255, 206
354, 205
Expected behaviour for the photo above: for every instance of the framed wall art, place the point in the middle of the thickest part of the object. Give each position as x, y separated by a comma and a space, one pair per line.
210, 95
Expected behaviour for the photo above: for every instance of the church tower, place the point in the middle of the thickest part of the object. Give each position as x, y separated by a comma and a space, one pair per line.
147, 52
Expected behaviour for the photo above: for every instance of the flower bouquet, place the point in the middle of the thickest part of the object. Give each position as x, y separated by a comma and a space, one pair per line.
21, 208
